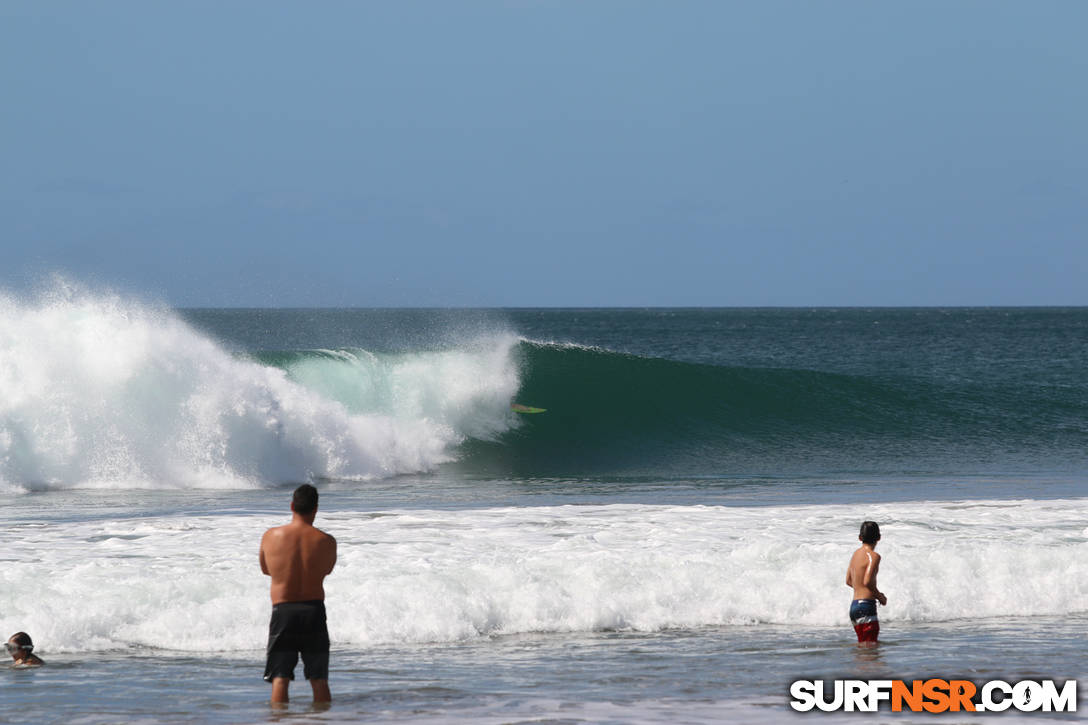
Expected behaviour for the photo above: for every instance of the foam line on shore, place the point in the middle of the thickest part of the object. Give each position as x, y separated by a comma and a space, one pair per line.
192, 583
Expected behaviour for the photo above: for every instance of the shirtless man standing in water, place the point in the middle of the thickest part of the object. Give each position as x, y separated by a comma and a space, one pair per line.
861, 575
298, 557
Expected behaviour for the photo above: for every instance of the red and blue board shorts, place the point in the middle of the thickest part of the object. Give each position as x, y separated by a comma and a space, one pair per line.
863, 616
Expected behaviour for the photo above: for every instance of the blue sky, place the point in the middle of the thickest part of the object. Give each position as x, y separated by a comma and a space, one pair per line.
263, 153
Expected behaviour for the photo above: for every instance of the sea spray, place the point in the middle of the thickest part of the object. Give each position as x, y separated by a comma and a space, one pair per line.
468, 388
101, 391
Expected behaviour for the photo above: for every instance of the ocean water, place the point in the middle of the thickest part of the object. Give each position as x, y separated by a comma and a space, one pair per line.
666, 543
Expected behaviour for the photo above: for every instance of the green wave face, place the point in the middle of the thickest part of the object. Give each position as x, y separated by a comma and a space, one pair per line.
466, 390
610, 412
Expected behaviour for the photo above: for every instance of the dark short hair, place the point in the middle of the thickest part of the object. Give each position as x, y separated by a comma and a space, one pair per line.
22, 639
304, 500
870, 532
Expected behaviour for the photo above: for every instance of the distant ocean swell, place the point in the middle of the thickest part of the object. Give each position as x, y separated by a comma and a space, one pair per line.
96, 390
609, 411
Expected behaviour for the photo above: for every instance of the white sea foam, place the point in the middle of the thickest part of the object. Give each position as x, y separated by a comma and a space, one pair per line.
192, 582
467, 389
673, 711
100, 391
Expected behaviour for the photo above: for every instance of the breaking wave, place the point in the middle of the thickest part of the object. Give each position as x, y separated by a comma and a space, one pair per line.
100, 391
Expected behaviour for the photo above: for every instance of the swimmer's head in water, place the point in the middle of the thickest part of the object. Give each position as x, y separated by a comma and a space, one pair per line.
304, 501
19, 642
870, 532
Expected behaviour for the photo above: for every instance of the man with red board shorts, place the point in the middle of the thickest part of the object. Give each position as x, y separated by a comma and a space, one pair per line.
861, 575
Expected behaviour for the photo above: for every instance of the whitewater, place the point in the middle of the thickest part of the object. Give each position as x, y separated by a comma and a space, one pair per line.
667, 543
188, 582
97, 391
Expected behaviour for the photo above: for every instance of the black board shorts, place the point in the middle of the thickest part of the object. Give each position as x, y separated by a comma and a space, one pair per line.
298, 627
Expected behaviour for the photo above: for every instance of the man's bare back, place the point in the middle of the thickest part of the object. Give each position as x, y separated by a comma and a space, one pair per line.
861, 577
298, 556
861, 574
